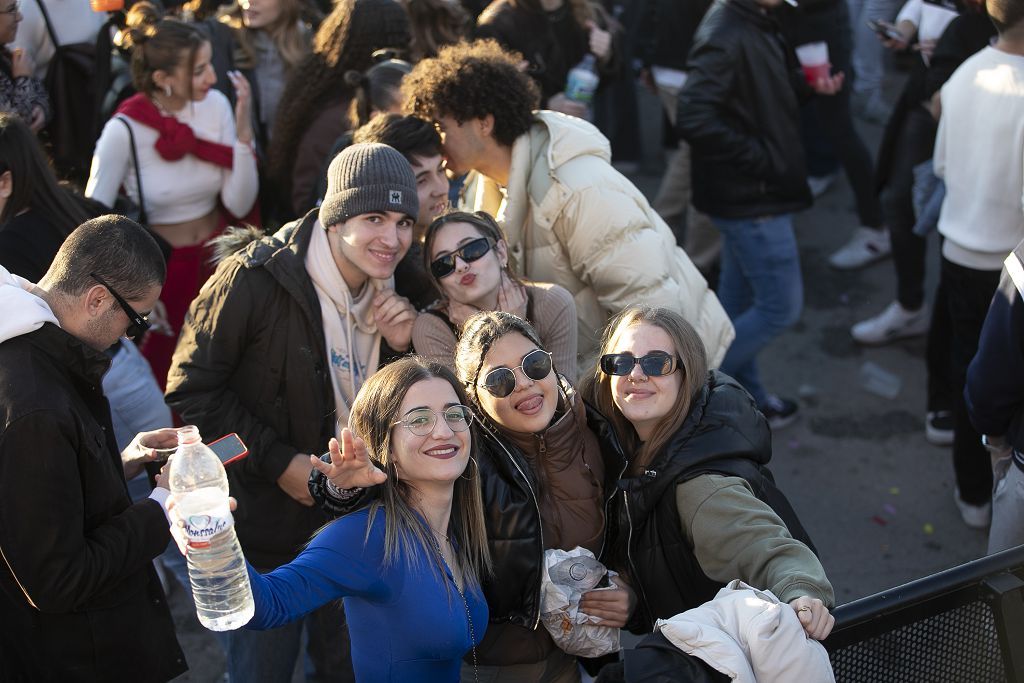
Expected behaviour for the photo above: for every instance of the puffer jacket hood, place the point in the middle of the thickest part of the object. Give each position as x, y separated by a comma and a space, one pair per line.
233, 239
24, 311
568, 137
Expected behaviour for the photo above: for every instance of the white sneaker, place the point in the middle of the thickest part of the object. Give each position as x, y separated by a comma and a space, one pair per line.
895, 322
866, 246
974, 516
820, 184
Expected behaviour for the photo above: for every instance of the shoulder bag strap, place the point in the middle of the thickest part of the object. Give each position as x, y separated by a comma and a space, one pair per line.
138, 178
49, 25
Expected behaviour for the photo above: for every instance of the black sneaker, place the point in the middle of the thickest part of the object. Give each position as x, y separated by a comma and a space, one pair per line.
938, 427
780, 412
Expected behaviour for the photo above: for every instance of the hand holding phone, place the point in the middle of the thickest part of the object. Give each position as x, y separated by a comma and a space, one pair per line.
886, 30
229, 448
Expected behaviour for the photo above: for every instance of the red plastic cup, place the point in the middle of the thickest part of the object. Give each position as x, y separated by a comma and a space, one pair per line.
815, 71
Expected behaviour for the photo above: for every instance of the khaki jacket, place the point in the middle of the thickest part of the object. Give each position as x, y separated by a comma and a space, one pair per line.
573, 220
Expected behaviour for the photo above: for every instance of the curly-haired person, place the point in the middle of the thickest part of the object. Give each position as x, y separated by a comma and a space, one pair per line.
570, 217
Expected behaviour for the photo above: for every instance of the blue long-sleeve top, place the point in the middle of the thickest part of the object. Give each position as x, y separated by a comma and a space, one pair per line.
405, 624
994, 391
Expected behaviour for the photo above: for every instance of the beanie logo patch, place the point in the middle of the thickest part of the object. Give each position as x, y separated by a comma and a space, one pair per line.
395, 197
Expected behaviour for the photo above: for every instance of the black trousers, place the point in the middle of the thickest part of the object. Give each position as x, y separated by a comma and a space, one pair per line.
914, 145
967, 294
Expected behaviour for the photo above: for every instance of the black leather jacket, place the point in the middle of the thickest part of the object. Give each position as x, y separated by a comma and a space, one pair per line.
512, 516
723, 434
739, 111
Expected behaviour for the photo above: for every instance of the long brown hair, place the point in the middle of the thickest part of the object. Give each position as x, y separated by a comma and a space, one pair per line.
290, 34
374, 411
481, 221
597, 387
33, 182
345, 41
436, 23
159, 45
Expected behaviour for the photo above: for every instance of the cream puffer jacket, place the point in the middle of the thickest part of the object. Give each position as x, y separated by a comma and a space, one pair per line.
573, 220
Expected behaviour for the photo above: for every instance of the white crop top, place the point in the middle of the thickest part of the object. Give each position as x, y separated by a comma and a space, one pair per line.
182, 190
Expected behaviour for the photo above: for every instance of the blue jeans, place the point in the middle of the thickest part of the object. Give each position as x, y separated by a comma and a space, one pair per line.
136, 402
761, 289
271, 655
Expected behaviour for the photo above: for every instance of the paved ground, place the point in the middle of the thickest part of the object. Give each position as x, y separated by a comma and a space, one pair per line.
875, 496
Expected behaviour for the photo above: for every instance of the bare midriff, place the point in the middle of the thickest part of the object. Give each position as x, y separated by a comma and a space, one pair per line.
188, 233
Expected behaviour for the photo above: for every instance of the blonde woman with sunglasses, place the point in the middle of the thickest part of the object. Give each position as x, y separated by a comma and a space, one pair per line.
467, 257
545, 477
697, 506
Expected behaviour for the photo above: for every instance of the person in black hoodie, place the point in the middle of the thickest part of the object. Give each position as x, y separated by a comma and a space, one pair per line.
697, 505
739, 111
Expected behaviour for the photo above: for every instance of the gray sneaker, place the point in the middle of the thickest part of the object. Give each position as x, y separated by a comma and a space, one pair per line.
895, 322
866, 246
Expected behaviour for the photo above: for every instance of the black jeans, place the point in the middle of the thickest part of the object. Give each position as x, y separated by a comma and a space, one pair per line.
968, 293
831, 23
914, 145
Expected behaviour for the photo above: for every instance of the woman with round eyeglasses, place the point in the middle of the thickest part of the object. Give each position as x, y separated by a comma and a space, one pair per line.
409, 565
467, 257
544, 476
697, 506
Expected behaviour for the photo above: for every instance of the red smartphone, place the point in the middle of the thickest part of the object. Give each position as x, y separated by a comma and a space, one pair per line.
229, 448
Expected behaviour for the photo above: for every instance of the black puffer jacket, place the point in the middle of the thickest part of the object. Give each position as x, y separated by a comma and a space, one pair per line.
739, 111
723, 434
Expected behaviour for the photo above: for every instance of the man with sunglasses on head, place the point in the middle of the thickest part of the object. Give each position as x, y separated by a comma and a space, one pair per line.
569, 216
79, 598
275, 348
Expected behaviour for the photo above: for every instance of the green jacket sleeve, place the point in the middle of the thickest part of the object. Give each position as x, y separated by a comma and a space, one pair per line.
735, 535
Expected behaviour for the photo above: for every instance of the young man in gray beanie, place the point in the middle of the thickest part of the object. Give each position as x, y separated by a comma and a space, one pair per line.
275, 348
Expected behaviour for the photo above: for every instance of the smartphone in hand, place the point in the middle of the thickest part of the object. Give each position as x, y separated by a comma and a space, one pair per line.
886, 30
229, 448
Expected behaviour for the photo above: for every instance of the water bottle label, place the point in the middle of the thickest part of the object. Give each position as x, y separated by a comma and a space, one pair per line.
201, 528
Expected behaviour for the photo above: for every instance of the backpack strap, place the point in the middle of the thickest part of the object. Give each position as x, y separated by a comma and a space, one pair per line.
49, 26
138, 177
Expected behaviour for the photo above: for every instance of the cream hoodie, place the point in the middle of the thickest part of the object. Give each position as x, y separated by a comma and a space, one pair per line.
21, 310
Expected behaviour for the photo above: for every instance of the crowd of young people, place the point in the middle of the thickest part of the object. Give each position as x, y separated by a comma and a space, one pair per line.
412, 251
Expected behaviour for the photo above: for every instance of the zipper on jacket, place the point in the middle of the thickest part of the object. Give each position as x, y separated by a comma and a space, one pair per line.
540, 525
15, 577
608, 499
629, 556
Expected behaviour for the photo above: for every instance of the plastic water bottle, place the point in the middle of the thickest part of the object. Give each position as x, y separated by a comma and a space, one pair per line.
582, 82
579, 573
216, 567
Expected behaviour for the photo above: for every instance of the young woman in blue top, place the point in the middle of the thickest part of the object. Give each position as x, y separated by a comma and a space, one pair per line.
407, 566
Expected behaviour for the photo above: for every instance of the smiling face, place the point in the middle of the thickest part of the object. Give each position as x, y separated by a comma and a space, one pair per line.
530, 407
474, 283
643, 400
260, 14
369, 245
431, 187
185, 84
442, 455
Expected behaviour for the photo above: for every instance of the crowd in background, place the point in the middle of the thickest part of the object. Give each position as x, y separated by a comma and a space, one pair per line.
392, 230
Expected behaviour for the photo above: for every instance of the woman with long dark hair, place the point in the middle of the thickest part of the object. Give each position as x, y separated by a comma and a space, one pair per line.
312, 112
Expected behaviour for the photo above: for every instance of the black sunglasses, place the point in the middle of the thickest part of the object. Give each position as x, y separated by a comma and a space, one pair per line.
473, 250
139, 323
654, 364
500, 382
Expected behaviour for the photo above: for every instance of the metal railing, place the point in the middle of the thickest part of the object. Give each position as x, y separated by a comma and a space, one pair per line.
961, 625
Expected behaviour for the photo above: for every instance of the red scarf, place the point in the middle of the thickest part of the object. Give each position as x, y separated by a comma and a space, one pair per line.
176, 138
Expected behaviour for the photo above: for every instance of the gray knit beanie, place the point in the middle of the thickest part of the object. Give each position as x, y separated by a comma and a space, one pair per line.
366, 178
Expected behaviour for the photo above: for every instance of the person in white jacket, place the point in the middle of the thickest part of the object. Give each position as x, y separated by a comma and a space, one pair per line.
570, 217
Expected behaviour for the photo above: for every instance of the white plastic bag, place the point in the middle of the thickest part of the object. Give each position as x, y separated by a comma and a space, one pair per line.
573, 631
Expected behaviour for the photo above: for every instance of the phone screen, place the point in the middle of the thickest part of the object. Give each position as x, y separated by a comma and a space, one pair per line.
229, 448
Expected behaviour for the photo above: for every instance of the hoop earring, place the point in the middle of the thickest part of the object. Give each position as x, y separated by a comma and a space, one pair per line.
475, 466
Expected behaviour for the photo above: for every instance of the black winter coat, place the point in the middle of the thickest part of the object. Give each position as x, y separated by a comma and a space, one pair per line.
739, 111
79, 598
723, 434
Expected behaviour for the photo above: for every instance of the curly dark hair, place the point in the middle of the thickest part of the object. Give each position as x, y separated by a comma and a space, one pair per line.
345, 41
469, 81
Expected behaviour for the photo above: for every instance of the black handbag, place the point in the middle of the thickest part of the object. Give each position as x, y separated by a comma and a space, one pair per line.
137, 211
